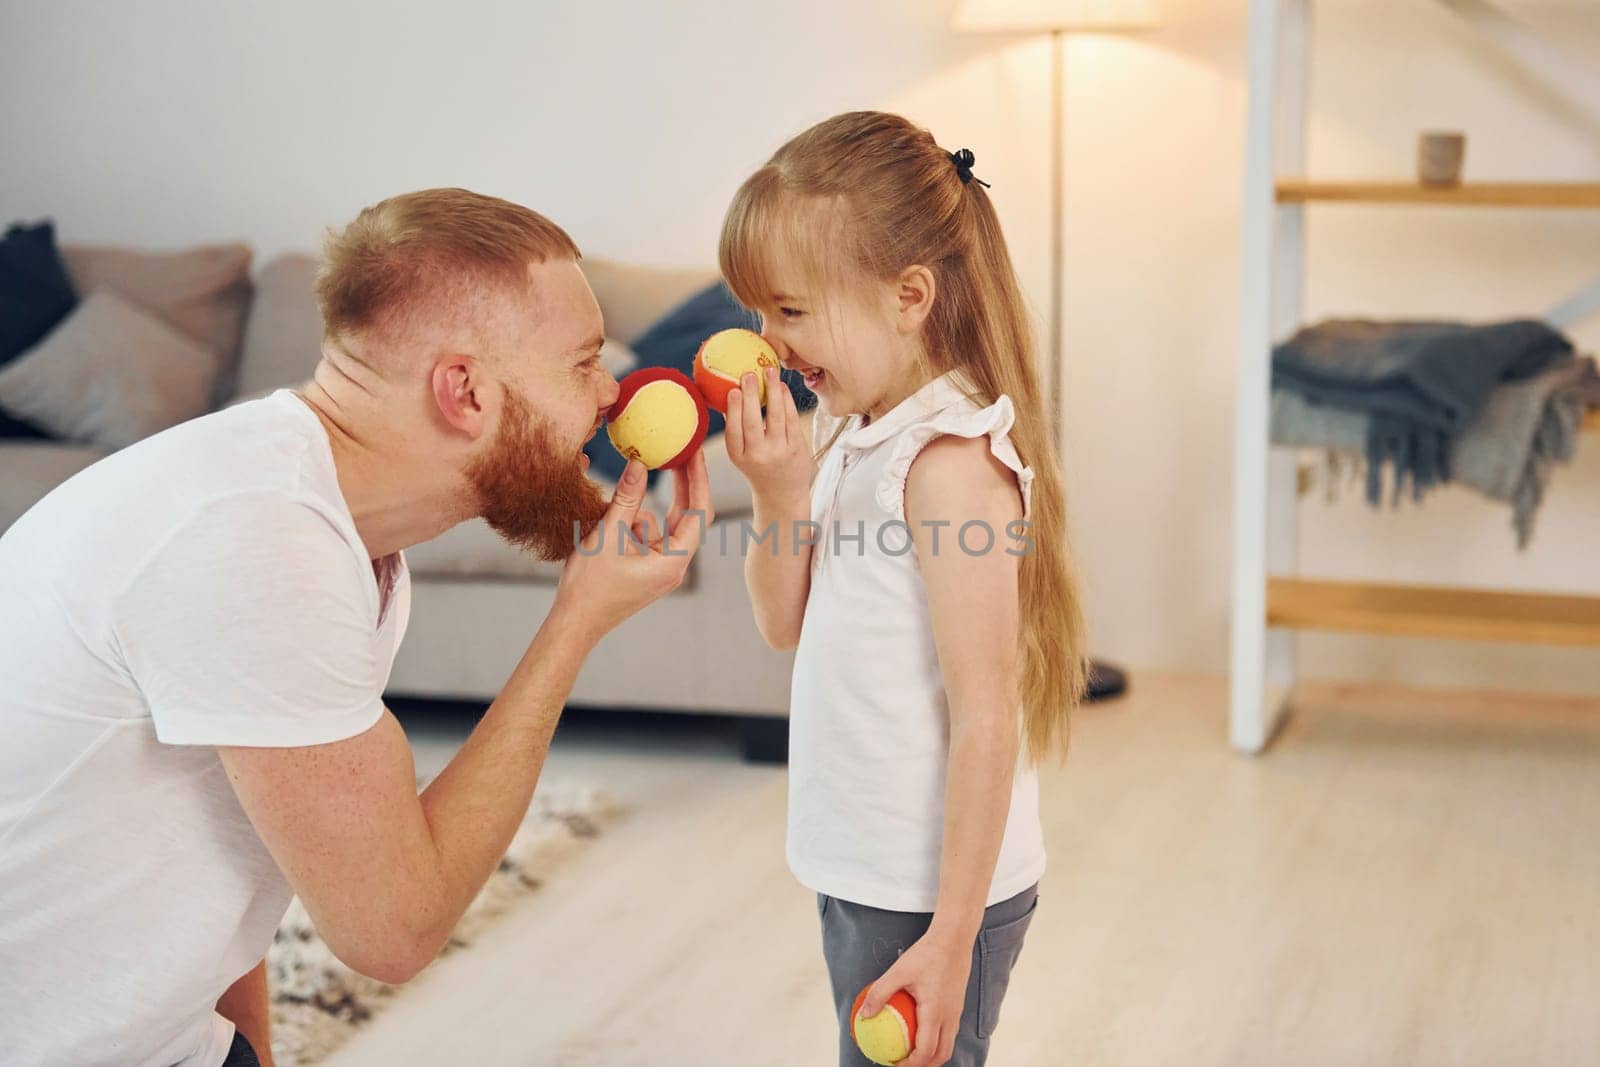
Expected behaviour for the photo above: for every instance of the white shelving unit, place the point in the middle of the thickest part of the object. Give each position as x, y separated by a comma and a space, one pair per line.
1270, 601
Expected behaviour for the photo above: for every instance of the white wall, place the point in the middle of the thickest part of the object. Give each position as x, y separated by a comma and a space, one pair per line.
631, 124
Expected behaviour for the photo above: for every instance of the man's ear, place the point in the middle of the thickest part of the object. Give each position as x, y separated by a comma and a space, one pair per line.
914, 293
459, 384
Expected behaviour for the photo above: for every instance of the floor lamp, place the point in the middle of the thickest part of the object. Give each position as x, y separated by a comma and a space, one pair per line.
1059, 18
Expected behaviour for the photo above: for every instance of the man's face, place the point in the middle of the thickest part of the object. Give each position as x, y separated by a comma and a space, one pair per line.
530, 480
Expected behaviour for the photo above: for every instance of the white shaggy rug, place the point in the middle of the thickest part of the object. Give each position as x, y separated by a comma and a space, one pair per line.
318, 1002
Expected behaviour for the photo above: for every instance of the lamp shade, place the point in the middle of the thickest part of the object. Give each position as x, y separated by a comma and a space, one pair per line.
1086, 15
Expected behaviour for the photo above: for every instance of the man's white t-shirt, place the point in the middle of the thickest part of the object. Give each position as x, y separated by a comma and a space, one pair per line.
204, 587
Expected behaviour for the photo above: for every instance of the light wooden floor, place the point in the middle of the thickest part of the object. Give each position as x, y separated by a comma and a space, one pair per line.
1404, 878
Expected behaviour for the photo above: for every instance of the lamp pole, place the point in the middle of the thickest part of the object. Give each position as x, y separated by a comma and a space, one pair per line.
1105, 680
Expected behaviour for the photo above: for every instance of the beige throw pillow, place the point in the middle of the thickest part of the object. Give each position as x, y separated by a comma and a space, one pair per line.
202, 292
109, 374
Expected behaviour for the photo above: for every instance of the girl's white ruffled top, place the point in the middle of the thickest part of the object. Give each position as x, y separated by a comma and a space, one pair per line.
869, 720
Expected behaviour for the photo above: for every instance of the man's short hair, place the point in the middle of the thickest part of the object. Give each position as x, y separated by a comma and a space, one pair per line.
430, 252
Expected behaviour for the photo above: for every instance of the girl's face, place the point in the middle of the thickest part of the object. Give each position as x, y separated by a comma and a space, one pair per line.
851, 347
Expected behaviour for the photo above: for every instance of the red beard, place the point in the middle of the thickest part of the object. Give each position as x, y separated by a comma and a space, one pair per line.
531, 495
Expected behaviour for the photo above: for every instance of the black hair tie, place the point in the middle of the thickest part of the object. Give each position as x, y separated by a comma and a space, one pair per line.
964, 159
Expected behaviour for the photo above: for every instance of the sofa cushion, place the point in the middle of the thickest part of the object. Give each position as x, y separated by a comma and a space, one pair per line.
283, 339
33, 469
110, 374
13, 428
202, 292
35, 294
35, 291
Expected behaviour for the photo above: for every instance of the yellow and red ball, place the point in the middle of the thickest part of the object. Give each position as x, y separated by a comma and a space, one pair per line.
659, 418
889, 1036
725, 358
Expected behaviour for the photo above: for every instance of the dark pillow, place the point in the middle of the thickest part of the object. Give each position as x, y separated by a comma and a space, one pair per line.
672, 342
15, 427
35, 295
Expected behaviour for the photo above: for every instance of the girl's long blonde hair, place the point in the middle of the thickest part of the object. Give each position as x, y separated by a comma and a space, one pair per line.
869, 194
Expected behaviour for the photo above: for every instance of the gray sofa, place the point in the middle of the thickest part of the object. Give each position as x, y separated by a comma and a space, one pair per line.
476, 602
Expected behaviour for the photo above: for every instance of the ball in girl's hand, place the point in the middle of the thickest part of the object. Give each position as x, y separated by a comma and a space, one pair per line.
728, 356
889, 1036
659, 418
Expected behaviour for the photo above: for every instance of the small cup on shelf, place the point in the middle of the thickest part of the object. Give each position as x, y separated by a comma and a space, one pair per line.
1439, 157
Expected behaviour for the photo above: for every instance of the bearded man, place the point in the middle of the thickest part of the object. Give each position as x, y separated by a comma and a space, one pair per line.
196, 633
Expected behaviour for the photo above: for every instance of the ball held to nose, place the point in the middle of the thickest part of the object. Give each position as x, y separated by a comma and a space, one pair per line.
659, 418
725, 358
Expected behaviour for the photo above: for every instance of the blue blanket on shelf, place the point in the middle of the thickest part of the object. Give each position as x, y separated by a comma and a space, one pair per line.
1507, 453
1418, 383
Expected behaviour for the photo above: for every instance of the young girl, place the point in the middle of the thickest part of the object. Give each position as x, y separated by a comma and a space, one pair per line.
936, 621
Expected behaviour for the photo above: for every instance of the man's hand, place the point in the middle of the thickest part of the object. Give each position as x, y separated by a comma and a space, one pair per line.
626, 563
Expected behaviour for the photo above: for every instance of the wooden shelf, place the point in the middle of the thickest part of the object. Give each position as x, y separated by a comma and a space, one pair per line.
1279, 181
1432, 611
1468, 194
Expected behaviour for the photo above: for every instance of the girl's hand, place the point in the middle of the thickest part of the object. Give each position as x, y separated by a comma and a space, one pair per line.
771, 453
935, 972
